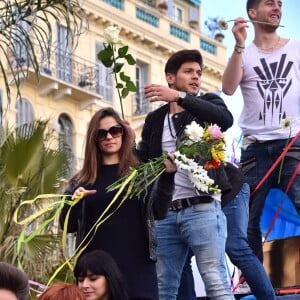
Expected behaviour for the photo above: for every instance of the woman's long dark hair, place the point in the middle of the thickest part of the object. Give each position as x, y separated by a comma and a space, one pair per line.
99, 262
93, 157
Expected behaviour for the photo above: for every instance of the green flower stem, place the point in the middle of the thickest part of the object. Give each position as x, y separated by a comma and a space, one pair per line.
145, 175
116, 80
259, 22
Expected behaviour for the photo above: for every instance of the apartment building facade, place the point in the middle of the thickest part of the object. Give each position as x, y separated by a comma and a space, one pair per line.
74, 84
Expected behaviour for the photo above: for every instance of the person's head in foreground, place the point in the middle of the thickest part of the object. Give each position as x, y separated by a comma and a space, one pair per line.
62, 291
99, 277
183, 71
14, 284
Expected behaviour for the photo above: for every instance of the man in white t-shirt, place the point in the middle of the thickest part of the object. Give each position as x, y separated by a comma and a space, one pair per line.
268, 72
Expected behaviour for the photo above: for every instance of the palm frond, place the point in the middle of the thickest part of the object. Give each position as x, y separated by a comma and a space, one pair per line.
35, 254
26, 26
28, 167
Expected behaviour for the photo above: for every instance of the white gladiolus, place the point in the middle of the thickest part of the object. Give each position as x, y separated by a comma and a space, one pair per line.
111, 35
197, 174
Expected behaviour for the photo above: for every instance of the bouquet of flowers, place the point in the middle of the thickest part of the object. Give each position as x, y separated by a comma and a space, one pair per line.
201, 149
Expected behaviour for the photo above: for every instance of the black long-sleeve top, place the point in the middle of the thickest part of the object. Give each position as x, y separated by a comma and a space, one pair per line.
128, 234
209, 108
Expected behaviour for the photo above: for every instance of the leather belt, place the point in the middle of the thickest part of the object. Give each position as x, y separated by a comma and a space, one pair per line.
186, 202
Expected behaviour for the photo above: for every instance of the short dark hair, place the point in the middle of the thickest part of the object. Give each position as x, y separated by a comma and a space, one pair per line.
14, 280
251, 4
180, 57
99, 262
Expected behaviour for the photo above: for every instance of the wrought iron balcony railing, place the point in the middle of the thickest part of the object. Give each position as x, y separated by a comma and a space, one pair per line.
64, 66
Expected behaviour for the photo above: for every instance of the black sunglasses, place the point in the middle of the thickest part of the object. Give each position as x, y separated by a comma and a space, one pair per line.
114, 131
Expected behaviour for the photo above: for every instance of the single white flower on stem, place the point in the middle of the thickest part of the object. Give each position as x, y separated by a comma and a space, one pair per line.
111, 35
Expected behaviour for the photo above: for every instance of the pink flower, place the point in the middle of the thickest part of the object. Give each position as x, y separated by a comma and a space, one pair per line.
215, 132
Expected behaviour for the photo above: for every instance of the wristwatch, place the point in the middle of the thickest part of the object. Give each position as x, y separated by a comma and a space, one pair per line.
182, 95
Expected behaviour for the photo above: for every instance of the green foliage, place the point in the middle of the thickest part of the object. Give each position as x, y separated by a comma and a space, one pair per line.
30, 164
110, 57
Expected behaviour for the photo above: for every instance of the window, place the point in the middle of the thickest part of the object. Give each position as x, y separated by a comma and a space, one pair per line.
66, 143
104, 78
177, 13
142, 104
63, 61
25, 113
21, 44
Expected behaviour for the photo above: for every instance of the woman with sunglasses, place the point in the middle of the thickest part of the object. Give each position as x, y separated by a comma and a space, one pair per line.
128, 233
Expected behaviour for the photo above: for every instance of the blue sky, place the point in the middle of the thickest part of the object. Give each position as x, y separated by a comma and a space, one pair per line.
230, 9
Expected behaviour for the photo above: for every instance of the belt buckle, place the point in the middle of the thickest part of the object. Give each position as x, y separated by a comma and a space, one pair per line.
176, 205
188, 202
179, 205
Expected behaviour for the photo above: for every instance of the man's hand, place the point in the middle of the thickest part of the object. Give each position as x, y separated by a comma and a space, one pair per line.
239, 31
169, 164
156, 92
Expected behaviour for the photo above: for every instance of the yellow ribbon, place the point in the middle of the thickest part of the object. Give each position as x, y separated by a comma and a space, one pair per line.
102, 218
57, 206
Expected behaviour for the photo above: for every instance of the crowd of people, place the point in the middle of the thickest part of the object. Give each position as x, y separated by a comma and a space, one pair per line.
143, 249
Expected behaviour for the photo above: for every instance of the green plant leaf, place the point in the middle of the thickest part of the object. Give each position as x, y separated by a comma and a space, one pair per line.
117, 68
119, 86
130, 59
122, 51
131, 86
107, 63
105, 54
125, 92
124, 77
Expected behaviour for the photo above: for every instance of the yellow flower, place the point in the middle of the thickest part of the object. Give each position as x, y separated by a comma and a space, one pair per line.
286, 122
223, 24
218, 153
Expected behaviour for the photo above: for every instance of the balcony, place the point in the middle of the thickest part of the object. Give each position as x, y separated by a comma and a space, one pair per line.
64, 74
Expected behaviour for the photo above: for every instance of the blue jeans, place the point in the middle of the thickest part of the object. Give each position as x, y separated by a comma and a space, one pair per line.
256, 160
186, 290
238, 249
201, 227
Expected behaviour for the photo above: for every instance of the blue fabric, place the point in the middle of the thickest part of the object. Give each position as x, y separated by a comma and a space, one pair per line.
186, 289
200, 227
256, 160
286, 297
250, 297
287, 223
238, 249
